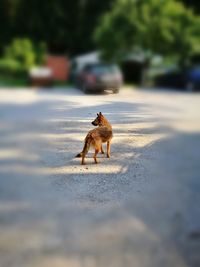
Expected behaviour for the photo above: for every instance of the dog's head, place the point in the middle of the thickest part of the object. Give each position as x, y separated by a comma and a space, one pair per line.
98, 119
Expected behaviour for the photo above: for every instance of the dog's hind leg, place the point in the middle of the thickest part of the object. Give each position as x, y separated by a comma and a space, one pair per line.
95, 155
102, 151
85, 150
83, 159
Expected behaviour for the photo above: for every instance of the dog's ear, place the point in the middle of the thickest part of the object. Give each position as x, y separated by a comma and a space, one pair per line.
97, 114
100, 113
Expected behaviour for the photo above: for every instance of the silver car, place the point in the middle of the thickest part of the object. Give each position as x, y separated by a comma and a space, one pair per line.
99, 77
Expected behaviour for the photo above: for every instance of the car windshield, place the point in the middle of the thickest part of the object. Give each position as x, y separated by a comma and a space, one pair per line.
105, 69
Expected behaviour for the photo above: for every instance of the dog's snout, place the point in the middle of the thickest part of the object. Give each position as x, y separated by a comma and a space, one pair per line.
93, 123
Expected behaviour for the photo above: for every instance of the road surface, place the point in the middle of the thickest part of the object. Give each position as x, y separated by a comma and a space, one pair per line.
139, 208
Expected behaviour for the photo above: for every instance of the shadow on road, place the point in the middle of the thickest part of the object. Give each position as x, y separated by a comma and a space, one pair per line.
139, 206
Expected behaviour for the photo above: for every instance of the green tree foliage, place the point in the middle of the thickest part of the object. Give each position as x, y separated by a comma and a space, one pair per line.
158, 26
65, 26
5, 22
22, 51
90, 13
47, 21
194, 4
8, 10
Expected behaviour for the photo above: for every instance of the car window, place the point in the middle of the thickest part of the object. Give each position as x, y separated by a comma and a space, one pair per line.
103, 69
87, 68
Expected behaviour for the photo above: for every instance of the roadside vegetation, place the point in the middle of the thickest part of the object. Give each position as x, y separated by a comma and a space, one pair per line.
169, 28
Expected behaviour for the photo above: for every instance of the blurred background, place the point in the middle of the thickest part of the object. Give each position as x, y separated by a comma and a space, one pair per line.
155, 43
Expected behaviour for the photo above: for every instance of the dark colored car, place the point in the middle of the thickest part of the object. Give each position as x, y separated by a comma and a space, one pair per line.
99, 77
193, 79
188, 80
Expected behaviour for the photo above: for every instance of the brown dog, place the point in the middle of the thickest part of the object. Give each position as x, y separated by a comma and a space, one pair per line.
101, 134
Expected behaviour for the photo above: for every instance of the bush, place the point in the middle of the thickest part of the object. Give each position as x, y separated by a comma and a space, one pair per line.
20, 56
22, 51
11, 67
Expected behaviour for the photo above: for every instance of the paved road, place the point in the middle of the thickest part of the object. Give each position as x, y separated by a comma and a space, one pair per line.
139, 208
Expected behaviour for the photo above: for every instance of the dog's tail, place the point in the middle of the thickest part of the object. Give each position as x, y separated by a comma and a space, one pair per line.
79, 155
85, 148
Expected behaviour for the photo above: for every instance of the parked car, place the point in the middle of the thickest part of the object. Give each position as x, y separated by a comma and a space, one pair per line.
79, 62
185, 80
193, 79
99, 77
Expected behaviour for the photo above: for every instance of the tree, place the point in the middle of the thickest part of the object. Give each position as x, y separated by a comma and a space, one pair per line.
7, 13
194, 4
90, 13
158, 26
65, 26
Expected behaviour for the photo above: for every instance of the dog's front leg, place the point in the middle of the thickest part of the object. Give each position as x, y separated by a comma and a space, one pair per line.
108, 149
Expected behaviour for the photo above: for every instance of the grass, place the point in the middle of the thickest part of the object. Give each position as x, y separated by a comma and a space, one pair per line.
13, 82
63, 84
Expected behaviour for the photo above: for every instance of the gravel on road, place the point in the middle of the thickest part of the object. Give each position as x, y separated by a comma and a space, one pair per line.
139, 208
